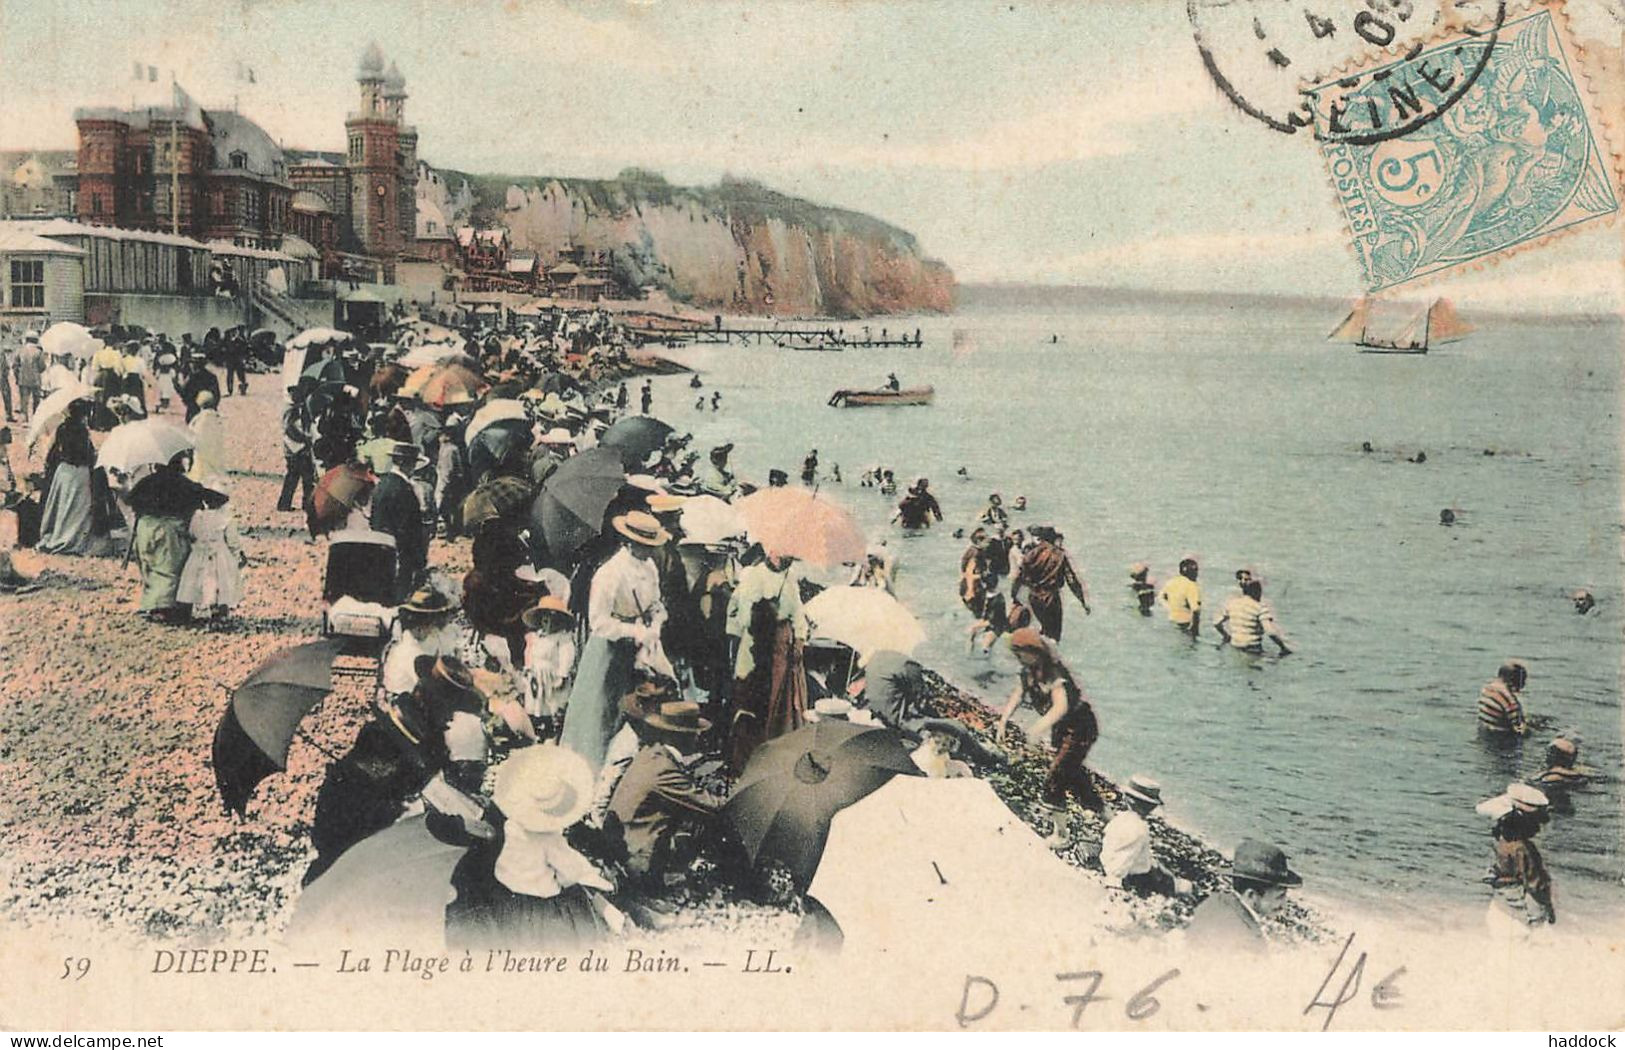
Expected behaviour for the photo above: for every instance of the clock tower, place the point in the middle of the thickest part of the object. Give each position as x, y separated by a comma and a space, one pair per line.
374, 162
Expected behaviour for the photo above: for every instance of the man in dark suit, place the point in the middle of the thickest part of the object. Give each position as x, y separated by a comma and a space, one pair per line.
397, 511
197, 379
659, 802
1229, 922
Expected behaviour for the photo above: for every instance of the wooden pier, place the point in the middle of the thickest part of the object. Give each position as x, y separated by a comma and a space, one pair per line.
817, 339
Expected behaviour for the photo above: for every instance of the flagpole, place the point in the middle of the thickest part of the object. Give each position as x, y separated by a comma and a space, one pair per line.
174, 161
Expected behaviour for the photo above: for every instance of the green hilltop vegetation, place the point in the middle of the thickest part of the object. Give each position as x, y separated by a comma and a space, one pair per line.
739, 200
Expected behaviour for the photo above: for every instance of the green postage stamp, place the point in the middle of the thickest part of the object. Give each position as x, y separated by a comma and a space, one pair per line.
1474, 146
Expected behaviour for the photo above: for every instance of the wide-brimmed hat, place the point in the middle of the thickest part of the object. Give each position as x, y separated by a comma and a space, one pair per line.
677, 716
664, 502
427, 601
1262, 862
1145, 789
547, 605
641, 527
1522, 797
544, 788
405, 450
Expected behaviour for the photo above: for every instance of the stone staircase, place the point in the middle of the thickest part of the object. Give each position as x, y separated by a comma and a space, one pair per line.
288, 316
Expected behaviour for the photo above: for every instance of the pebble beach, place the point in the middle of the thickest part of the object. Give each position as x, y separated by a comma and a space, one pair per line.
111, 811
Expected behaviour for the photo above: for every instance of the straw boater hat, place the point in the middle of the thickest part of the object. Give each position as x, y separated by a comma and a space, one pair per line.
641, 527
677, 716
664, 502
545, 788
558, 436
1520, 797
1145, 789
548, 605
647, 696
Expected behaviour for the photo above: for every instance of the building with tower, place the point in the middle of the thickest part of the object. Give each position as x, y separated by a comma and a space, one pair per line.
216, 175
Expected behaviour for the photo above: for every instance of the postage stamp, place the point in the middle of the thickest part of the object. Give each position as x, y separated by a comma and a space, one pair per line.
1475, 146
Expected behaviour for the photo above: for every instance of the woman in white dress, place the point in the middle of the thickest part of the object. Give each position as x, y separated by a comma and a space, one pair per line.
209, 440
212, 581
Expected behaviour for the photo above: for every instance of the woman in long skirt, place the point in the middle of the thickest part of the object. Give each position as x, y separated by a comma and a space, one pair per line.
67, 519
770, 678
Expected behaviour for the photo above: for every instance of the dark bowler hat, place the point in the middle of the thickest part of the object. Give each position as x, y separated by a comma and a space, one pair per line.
1262, 862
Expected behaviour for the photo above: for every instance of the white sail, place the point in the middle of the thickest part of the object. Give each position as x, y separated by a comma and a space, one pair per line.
1444, 324
1352, 327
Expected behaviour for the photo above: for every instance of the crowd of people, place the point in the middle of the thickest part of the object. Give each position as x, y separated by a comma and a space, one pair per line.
575, 707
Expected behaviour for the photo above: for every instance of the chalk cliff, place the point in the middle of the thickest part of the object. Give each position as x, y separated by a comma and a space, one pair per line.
737, 246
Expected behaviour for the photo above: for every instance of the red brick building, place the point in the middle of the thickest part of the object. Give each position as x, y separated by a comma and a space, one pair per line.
208, 174
216, 175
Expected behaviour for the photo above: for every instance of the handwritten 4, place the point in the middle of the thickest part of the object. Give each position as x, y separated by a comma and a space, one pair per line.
1384, 994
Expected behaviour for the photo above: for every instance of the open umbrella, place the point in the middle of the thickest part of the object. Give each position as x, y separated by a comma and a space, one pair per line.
794, 785
326, 370
636, 437
570, 510
865, 619
449, 384
495, 443
253, 737
316, 337
796, 522
429, 354
341, 490
706, 519
495, 410
392, 884
496, 497
942, 855
51, 411
66, 337
387, 381
145, 441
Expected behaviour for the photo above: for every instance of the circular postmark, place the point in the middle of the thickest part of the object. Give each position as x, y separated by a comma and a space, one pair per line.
1253, 43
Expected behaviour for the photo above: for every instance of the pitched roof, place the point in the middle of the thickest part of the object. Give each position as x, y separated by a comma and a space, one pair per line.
233, 133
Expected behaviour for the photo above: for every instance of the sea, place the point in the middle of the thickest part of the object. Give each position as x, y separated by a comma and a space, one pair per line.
1151, 428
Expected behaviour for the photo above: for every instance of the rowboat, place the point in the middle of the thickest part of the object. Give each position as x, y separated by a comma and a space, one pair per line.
921, 395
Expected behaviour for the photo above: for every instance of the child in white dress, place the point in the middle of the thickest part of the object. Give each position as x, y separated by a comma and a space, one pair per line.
212, 581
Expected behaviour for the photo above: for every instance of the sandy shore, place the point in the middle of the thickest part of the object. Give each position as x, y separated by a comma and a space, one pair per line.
110, 811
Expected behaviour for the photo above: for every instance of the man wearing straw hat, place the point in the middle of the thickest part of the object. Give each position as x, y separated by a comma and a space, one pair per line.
1233, 921
662, 809
1125, 847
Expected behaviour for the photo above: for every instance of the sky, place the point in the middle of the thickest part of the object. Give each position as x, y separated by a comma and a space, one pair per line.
1055, 143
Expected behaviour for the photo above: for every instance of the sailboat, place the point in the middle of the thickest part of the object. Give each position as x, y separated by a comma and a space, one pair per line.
1400, 328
